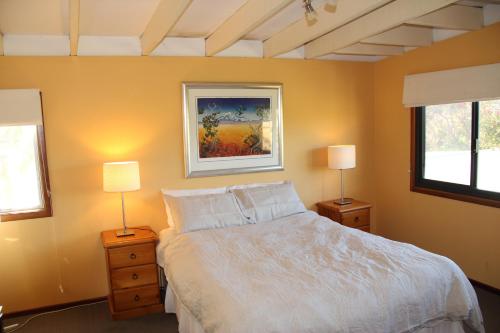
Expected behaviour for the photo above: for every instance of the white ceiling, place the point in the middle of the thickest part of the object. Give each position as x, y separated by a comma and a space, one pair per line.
109, 18
280, 21
203, 16
114, 27
42, 17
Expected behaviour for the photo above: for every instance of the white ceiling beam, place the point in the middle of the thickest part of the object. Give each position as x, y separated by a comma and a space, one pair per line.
300, 32
403, 36
298, 53
371, 49
351, 57
109, 46
378, 21
243, 48
452, 17
248, 17
74, 25
181, 46
36, 45
164, 18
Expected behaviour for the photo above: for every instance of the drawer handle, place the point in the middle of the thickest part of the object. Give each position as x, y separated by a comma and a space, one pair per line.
135, 276
356, 219
132, 256
137, 298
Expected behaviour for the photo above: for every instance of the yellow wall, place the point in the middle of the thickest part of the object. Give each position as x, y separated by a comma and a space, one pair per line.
465, 232
109, 108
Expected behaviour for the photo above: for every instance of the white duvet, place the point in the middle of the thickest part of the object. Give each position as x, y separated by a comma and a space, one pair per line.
305, 273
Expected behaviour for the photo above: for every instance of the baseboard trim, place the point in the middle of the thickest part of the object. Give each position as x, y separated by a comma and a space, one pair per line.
53, 307
485, 286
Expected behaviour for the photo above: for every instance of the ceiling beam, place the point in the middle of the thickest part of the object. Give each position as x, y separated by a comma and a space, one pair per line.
378, 21
371, 49
300, 32
403, 36
74, 26
452, 17
249, 16
167, 13
477, 3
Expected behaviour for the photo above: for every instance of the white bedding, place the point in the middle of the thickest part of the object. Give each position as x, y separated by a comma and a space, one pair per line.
304, 273
189, 324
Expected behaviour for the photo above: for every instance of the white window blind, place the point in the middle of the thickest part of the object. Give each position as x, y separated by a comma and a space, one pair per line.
467, 84
20, 107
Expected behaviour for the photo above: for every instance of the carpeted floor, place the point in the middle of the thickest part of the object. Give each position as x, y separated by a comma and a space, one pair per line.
95, 319
490, 307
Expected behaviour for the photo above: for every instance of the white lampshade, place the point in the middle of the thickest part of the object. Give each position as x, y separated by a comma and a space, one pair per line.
121, 176
342, 157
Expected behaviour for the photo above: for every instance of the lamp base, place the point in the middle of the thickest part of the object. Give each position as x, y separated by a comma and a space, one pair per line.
124, 233
344, 201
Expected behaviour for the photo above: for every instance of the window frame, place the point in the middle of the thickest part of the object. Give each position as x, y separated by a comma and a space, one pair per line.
468, 193
46, 210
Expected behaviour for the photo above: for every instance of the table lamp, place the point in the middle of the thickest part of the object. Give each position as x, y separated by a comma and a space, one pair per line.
339, 158
121, 177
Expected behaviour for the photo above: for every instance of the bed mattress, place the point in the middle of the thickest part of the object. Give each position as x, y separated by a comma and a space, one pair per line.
304, 273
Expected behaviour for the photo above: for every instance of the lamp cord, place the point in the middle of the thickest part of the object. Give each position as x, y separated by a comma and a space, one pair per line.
7, 330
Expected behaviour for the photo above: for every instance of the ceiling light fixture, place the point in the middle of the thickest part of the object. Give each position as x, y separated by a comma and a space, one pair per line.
331, 5
310, 13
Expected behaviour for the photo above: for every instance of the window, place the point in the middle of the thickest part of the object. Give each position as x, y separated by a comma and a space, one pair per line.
456, 151
24, 184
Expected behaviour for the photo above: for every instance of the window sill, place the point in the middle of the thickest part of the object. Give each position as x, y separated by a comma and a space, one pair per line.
26, 215
456, 196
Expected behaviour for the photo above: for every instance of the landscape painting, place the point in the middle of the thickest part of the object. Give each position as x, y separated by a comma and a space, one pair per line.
234, 126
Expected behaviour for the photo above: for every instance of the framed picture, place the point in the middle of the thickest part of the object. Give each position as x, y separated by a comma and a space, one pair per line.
232, 128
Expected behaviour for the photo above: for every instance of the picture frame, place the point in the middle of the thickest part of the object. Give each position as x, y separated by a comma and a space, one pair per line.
232, 128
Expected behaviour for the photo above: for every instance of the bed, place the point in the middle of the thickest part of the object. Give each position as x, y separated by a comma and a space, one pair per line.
301, 272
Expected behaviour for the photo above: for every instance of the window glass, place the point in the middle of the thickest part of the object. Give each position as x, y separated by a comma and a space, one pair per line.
448, 142
488, 176
20, 188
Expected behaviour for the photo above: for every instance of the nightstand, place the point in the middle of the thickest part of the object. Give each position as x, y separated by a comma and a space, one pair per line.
132, 273
354, 215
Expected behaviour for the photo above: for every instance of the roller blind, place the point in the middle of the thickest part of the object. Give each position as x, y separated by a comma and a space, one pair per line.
20, 107
467, 84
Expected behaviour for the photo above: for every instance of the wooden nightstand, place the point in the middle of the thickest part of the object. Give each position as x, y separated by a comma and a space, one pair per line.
354, 215
132, 273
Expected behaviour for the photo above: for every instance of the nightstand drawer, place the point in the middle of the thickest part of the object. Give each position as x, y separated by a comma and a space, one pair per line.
357, 218
134, 276
132, 255
365, 228
136, 297
328, 213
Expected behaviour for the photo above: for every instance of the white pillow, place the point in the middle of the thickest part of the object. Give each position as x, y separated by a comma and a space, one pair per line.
209, 211
187, 193
266, 203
